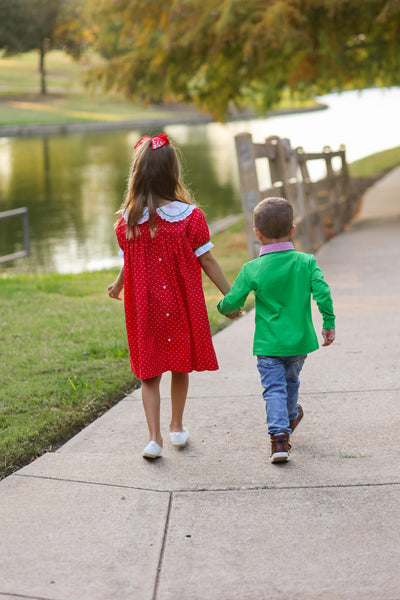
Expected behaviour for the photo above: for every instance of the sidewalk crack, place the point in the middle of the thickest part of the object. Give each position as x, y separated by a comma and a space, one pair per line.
15, 595
232, 488
162, 551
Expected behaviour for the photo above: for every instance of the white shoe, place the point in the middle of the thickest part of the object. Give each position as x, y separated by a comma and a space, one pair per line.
152, 450
179, 438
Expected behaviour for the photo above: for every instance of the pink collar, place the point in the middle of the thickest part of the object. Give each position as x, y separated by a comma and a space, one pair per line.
279, 247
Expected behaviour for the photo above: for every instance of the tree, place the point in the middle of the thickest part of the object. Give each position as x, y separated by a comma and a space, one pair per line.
219, 53
41, 25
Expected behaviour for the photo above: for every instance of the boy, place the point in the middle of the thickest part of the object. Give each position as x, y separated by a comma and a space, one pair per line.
283, 281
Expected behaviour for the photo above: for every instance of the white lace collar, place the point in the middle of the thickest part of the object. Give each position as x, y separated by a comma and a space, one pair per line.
172, 212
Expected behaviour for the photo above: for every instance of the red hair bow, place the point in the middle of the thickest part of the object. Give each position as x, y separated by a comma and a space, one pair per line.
156, 142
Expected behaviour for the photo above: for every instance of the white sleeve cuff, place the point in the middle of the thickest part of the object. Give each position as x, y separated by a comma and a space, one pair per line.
203, 249
121, 253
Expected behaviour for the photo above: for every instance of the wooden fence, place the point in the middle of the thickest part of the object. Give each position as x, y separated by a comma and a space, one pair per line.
321, 208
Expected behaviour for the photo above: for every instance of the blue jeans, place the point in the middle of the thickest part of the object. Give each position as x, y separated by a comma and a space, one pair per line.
280, 380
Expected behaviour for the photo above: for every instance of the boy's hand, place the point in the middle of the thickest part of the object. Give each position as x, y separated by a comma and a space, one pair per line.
329, 336
114, 290
235, 314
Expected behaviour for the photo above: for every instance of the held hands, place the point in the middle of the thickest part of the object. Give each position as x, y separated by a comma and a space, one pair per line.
235, 314
329, 336
114, 290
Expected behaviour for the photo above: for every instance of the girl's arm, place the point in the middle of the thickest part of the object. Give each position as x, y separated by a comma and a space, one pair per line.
115, 288
237, 295
213, 270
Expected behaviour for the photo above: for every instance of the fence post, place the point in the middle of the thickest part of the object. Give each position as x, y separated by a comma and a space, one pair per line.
275, 167
25, 225
311, 202
334, 192
249, 190
350, 204
294, 193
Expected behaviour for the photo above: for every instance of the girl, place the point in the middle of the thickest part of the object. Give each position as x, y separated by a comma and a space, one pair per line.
165, 242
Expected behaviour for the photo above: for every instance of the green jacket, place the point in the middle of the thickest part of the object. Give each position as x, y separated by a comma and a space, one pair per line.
283, 283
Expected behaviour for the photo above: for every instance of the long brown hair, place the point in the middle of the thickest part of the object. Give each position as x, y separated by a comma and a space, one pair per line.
155, 176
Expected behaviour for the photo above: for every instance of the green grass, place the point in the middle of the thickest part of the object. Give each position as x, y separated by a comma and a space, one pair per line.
74, 108
67, 100
20, 73
65, 360
354, 455
376, 164
64, 352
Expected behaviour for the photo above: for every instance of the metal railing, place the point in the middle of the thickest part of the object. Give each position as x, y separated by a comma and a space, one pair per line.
23, 212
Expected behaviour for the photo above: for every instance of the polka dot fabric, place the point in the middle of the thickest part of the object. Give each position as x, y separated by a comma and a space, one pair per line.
165, 311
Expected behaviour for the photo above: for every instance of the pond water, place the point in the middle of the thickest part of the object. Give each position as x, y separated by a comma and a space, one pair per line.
74, 184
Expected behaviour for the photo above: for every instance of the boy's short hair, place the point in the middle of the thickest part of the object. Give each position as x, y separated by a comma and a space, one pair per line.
273, 217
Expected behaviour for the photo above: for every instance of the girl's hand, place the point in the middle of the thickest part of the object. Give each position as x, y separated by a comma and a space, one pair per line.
114, 290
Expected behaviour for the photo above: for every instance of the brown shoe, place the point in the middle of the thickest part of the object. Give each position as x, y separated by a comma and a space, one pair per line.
280, 447
294, 422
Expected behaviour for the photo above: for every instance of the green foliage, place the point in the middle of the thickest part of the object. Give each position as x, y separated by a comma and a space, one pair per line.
219, 53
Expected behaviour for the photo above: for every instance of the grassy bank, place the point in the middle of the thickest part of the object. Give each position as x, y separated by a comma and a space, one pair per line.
64, 352
375, 165
68, 101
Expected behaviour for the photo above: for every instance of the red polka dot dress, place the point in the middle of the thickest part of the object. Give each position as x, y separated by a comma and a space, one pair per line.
165, 311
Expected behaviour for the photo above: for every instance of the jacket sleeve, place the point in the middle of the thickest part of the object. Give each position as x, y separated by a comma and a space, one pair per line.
321, 293
237, 295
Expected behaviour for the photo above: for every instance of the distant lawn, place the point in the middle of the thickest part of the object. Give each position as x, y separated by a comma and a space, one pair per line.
20, 74
71, 109
374, 165
67, 100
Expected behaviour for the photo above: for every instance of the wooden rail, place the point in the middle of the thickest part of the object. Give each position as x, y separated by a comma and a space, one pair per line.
321, 208
23, 212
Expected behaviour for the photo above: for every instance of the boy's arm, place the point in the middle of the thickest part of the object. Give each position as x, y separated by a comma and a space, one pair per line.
237, 295
321, 293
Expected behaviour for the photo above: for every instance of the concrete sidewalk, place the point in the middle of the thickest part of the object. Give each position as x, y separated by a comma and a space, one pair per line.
216, 520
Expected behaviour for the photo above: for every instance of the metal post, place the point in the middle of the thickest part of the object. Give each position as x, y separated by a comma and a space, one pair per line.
7, 214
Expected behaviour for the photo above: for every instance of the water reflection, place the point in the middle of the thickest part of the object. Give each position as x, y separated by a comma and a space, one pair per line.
73, 185
68, 185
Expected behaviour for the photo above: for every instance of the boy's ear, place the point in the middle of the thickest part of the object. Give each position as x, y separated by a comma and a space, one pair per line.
292, 231
257, 233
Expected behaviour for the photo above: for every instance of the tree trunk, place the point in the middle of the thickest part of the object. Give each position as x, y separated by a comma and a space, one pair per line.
42, 51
